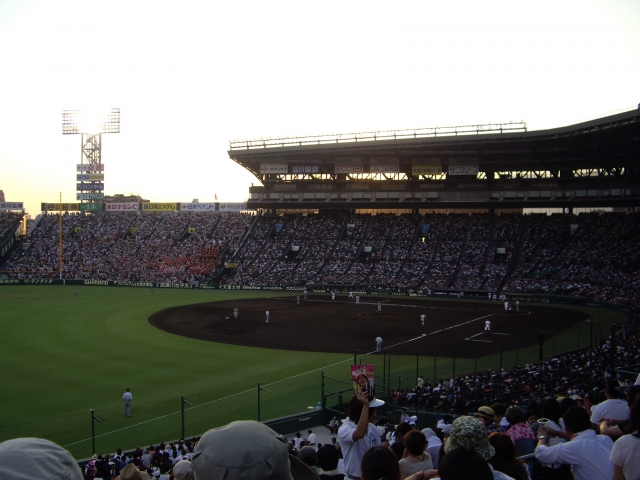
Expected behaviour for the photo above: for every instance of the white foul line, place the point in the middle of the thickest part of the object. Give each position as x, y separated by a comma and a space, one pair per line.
460, 324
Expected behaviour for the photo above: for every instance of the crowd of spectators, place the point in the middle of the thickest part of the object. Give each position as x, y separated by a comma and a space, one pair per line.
7, 220
129, 247
595, 255
494, 443
569, 374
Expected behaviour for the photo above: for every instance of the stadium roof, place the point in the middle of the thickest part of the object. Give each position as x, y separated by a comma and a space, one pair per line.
603, 152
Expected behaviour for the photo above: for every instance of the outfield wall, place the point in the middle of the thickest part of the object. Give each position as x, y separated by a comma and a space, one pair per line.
438, 293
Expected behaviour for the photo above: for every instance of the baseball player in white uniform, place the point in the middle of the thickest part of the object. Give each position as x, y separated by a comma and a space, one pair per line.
423, 317
267, 320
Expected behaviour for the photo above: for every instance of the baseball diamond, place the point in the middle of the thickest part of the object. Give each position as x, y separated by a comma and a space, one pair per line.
340, 327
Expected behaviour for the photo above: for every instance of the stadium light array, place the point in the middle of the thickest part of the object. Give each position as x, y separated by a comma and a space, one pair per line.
91, 122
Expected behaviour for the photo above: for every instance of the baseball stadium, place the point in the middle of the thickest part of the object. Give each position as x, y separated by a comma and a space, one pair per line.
439, 242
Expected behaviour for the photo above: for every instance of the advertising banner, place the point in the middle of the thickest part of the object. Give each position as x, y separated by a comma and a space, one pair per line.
463, 166
429, 166
305, 168
197, 207
121, 207
384, 165
268, 168
463, 170
348, 167
233, 207
89, 177
90, 187
7, 243
90, 167
159, 207
90, 207
56, 207
384, 168
89, 196
11, 206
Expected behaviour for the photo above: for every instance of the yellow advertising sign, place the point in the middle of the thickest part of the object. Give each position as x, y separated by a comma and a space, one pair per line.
428, 166
159, 207
56, 207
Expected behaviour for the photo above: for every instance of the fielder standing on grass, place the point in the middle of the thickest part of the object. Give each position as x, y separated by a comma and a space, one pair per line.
423, 317
127, 398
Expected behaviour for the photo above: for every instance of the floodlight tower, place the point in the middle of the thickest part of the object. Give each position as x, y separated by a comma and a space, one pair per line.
90, 171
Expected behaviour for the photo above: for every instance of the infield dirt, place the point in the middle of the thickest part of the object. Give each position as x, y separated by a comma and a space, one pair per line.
320, 325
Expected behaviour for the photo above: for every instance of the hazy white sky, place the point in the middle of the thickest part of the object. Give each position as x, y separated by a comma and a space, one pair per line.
190, 76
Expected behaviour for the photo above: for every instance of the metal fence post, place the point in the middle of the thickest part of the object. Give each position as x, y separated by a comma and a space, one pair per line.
590, 337
613, 348
578, 337
435, 362
93, 430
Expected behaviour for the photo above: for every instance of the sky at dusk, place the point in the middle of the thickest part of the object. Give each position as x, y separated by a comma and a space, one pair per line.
191, 76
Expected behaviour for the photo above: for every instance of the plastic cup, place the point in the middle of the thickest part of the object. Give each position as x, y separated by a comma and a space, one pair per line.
543, 422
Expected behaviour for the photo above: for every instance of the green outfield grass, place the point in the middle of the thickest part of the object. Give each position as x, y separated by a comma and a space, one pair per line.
64, 354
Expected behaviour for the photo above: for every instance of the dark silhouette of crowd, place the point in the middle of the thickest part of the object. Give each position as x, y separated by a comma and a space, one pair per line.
595, 256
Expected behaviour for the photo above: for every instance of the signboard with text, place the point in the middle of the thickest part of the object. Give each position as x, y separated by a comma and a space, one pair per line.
90, 207
233, 207
90, 167
89, 177
159, 207
197, 207
11, 205
121, 207
90, 187
89, 196
56, 207
269, 168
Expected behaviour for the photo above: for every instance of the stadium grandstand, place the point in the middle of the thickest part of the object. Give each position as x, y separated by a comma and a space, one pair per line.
398, 211
461, 211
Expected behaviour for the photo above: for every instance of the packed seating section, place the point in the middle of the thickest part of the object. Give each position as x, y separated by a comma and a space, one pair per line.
594, 255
